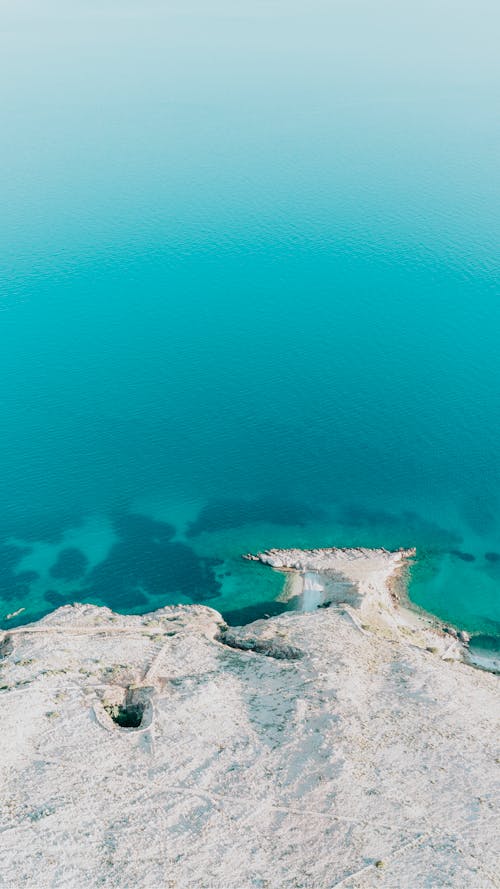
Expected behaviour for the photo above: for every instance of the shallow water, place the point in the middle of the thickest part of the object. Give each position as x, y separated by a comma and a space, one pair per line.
250, 291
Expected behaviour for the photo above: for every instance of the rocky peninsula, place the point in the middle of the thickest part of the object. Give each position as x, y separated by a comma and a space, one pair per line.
348, 745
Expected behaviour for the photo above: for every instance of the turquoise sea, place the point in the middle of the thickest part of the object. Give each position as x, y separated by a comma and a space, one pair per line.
249, 298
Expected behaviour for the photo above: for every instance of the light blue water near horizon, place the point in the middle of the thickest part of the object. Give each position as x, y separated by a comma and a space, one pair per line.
249, 289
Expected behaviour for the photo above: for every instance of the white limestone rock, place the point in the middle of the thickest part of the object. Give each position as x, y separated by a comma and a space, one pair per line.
370, 760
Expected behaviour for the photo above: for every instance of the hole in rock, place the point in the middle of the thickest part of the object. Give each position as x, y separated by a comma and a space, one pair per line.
126, 715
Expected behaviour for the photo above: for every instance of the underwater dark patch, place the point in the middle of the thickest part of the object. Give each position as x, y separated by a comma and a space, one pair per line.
465, 557
480, 513
11, 555
58, 599
221, 514
135, 526
492, 557
71, 564
408, 527
48, 526
14, 585
238, 617
147, 563
21, 585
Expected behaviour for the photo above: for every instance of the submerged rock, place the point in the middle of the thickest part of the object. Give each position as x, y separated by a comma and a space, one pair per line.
465, 557
71, 564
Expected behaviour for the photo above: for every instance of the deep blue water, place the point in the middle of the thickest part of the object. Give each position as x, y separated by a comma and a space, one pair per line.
250, 294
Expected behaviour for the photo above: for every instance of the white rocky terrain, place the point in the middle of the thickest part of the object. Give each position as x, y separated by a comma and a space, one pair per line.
348, 746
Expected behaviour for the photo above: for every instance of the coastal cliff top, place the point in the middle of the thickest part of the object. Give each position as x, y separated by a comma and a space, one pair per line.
348, 746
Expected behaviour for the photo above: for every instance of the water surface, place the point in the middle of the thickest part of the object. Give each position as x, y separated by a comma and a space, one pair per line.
250, 293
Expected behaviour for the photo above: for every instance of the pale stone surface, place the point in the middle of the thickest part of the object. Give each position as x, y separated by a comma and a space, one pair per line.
366, 761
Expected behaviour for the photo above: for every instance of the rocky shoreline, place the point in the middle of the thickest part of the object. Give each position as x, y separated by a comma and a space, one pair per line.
332, 566
351, 745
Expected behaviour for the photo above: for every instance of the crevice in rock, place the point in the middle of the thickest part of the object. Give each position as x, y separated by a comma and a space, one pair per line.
6, 647
267, 647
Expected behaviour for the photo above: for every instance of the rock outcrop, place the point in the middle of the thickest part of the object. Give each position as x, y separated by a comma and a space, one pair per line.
349, 746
